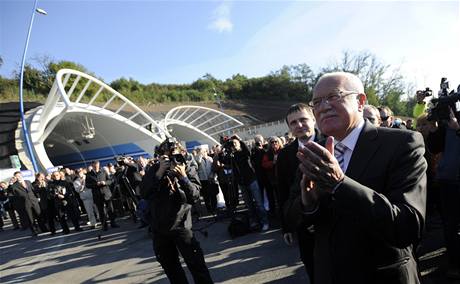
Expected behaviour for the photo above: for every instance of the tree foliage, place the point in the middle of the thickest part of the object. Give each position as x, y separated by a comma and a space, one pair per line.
383, 85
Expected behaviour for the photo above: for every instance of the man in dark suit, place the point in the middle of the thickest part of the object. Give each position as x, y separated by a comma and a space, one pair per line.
365, 195
301, 123
24, 191
99, 182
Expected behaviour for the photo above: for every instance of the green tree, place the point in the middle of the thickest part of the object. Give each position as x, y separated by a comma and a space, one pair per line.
382, 85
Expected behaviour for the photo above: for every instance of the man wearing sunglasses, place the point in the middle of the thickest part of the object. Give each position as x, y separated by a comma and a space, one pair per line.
364, 189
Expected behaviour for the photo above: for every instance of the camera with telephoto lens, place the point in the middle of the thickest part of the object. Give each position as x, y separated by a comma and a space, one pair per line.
440, 109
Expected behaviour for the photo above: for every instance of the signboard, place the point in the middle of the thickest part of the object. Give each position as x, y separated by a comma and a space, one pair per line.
53, 169
28, 175
15, 162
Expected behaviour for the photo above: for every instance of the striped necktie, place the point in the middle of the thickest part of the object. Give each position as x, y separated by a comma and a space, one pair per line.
339, 152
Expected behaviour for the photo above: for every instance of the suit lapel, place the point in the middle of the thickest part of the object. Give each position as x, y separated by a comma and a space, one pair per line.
365, 148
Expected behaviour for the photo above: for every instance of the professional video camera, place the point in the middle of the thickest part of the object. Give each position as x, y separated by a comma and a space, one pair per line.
227, 144
440, 109
426, 93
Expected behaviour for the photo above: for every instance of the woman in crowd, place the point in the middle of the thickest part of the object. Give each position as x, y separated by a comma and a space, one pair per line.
86, 196
268, 164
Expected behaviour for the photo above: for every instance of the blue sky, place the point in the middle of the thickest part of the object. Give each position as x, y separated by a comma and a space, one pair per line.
180, 41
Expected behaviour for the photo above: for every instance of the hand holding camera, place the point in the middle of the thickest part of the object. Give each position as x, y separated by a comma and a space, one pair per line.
178, 170
165, 164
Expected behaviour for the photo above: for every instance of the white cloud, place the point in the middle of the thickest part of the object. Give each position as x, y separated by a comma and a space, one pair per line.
221, 21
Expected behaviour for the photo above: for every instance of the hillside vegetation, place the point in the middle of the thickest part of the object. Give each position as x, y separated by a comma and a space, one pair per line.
383, 85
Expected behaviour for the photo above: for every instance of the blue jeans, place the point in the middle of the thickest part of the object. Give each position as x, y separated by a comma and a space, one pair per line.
252, 196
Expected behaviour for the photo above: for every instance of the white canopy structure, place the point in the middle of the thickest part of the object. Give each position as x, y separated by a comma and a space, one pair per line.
83, 119
198, 125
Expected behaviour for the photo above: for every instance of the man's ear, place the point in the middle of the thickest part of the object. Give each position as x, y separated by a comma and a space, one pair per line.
361, 101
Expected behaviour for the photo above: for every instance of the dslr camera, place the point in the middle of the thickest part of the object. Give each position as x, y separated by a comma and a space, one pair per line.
121, 160
171, 146
440, 109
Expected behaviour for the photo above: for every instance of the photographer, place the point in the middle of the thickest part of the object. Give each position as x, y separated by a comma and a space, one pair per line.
61, 192
246, 178
128, 179
222, 166
446, 139
172, 186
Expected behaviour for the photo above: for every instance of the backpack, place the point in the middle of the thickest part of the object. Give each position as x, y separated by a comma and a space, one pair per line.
239, 225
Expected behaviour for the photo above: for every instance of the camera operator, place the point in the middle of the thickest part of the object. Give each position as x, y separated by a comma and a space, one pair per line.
246, 178
446, 139
129, 178
61, 193
222, 166
172, 186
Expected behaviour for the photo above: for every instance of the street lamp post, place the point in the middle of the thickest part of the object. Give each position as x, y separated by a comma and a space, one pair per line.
21, 83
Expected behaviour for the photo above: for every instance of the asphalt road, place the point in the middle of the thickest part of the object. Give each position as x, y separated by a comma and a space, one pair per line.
125, 255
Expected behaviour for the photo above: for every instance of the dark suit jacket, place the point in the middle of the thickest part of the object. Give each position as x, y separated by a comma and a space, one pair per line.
286, 168
366, 231
92, 178
25, 195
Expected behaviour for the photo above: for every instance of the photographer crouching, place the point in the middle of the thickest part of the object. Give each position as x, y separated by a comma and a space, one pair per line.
172, 187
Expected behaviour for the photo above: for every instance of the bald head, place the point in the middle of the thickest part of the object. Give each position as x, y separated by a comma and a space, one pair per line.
338, 102
348, 81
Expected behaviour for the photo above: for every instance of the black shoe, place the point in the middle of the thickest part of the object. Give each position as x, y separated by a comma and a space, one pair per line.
66, 232
78, 229
114, 225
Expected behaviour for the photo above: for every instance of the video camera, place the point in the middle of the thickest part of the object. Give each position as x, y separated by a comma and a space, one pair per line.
426, 93
440, 109
227, 144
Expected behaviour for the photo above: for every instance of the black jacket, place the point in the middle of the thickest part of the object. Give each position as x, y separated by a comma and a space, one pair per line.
242, 167
365, 232
92, 178
170, 209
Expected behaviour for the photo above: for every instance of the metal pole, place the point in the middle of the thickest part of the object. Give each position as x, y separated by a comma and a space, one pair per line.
21, 102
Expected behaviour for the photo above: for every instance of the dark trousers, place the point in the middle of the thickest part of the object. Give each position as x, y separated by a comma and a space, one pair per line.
167, 246
450, 200
230, 191
306, 240
73, 212
13, 218
100, 204
209, 193
68, 211
34, 213
49, 214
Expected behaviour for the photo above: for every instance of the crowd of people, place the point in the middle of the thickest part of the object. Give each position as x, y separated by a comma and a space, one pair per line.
349, 181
